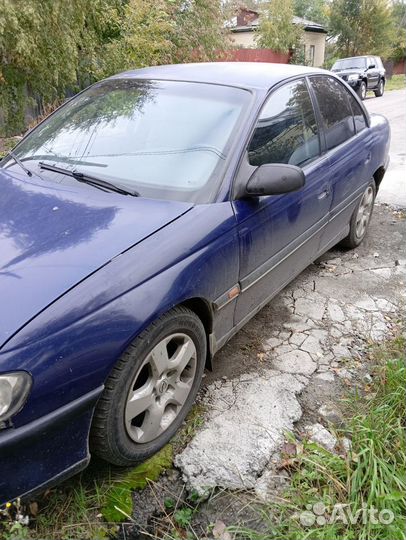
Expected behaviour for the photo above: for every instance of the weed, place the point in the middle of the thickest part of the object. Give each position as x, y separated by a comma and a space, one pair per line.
183, 516
372, 476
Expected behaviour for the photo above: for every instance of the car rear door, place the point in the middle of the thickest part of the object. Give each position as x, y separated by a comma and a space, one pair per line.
279, 235
373, 72
348, 144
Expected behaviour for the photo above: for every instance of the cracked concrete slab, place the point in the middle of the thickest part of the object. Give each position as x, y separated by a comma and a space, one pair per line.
245, 426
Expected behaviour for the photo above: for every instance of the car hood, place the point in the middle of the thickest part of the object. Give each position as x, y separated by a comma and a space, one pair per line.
342, 72
53, 236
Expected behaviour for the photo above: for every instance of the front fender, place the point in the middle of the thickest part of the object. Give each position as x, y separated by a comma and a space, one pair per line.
71, 347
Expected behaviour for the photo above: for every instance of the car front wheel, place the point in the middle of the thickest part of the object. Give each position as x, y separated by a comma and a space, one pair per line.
362, 90
150, 390
381, 88
360, 218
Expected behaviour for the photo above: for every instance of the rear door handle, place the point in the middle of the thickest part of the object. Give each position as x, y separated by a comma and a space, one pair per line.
368, 158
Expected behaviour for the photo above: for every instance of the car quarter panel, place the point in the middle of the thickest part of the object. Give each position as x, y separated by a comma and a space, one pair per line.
71, 347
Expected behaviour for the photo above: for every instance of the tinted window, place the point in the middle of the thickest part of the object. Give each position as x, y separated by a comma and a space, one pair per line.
350, 63
286, 131
378, 62
335, 108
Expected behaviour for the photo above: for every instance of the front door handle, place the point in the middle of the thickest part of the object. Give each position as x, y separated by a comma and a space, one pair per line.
323, 194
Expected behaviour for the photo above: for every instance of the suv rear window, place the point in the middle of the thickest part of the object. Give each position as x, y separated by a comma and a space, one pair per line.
378, 62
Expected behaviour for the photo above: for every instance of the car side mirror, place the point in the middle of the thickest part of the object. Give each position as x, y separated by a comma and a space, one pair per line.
274, 179
371, 66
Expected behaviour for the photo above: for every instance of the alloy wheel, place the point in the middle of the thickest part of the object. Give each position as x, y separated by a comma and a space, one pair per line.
364, 212
160, 388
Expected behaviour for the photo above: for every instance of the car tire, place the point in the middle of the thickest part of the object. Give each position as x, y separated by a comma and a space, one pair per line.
150, 390
381, 88
360, 218
362, 90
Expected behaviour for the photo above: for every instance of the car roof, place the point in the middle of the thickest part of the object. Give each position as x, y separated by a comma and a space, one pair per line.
359, 56
242, 74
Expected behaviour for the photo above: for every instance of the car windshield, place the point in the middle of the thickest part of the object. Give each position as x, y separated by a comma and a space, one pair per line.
163, 139
350, 63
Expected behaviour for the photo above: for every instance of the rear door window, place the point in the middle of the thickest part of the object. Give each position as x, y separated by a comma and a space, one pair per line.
359, 117
335, 109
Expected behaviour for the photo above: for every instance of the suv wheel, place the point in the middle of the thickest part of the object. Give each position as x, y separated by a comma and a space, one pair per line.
150, 390
362, 90
381, 88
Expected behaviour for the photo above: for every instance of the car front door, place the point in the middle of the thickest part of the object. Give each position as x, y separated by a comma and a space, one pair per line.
348, 145
279, 235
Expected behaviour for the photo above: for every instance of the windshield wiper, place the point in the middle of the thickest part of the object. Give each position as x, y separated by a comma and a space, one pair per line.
104, 185
20, 163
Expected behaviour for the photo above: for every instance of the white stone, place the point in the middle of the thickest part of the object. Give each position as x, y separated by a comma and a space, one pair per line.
344, 374
384, 273
330, 413
311, 308
320, 435
346, 444
385, 305
272, 342
340, 351
335, 332
282, 349
311, 345
319, 334
269, 482
335, 313
298, 324
297, 338
366, 303
296, 361
327, 376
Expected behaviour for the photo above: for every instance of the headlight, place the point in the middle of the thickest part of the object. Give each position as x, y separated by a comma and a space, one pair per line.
14, 390
353, 77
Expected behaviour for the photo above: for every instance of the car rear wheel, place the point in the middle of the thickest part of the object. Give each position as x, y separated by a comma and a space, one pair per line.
362, 90
361, 217
381, 88
150, 390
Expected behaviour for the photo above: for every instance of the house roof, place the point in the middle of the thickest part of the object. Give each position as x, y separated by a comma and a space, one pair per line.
250, 75
247, 20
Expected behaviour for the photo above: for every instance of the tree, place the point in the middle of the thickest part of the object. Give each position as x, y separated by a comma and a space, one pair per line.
46, 46
314, 10
362, 27
399, 21
276, 30
51, 48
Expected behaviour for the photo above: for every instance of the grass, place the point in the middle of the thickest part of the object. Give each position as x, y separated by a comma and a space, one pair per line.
397, 82
371, 476
94, 504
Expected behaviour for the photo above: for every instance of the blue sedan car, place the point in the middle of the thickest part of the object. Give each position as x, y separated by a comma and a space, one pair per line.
143, 224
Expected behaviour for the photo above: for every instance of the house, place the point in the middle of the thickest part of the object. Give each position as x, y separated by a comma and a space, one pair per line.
245, 23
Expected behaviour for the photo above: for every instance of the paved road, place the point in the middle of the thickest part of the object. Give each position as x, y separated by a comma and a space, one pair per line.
393, 106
